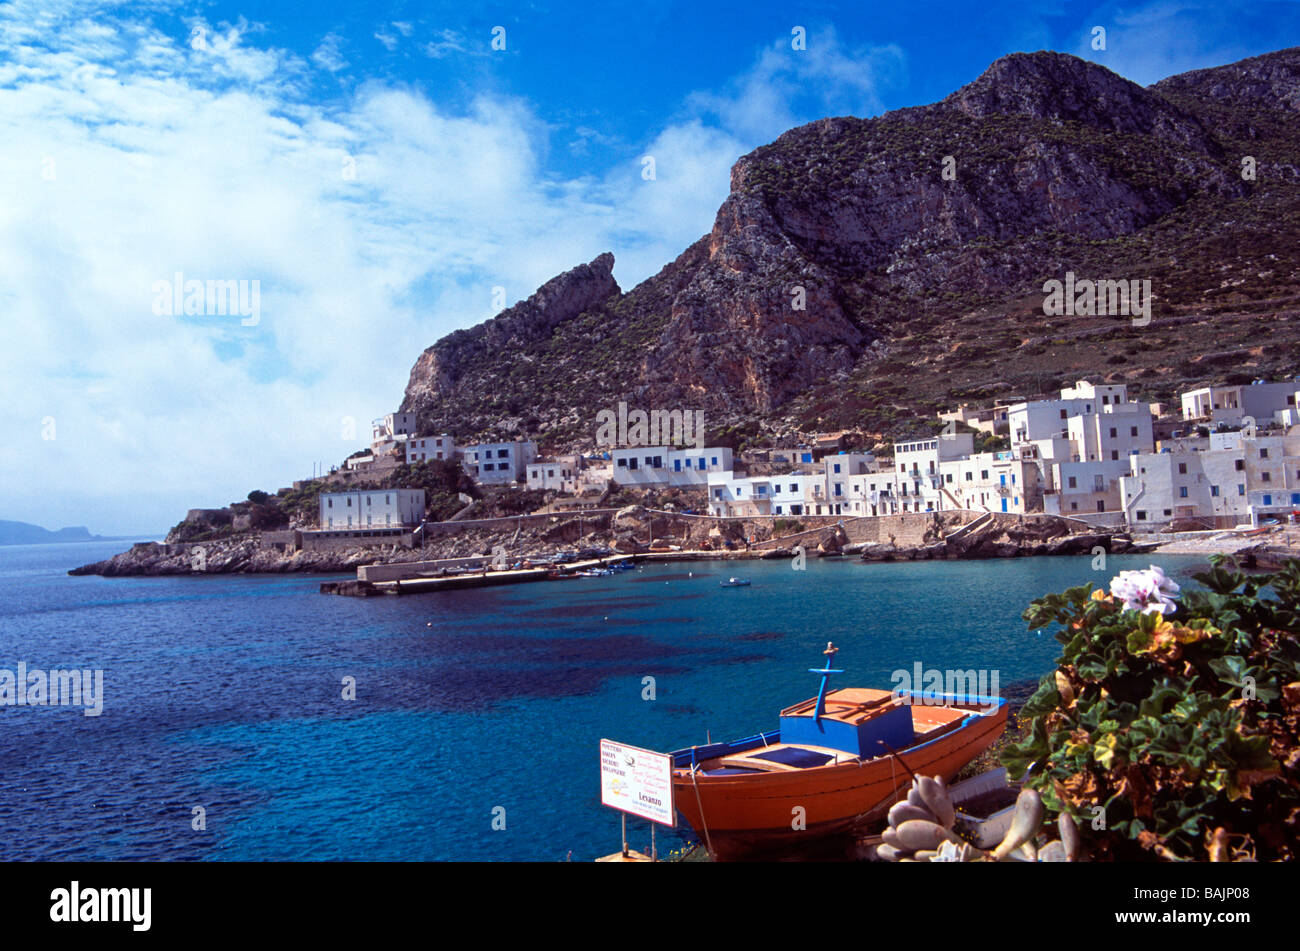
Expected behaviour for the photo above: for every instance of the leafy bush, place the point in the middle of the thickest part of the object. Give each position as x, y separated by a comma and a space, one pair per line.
1182, 726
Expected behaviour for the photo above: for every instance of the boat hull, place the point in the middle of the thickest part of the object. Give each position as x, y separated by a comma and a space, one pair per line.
755, 815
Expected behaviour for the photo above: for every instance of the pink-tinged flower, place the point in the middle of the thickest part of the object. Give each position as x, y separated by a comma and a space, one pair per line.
1150, 591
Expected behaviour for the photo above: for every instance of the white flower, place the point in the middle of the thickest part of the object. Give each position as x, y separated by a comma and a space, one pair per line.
1148, 591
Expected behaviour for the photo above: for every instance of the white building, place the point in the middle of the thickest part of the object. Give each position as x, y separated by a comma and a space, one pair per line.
371, 508
789, 494
990, 482
1222, 481
427, 448
669, 465
1082, 444
561, 474
499, 462
830, 490
392, 428
1263, 402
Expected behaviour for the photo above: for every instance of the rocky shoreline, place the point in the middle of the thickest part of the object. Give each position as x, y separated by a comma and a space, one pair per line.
636, 530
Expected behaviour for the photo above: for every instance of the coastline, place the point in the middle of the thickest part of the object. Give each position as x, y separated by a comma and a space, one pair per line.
645, 533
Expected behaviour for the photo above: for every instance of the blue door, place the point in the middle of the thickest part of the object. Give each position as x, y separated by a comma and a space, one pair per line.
1004, 505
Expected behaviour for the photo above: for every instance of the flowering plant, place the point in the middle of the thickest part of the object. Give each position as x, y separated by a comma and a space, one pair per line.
1171, 727
1148, 591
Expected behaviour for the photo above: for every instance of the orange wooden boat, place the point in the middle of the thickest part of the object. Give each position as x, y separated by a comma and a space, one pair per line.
838, 762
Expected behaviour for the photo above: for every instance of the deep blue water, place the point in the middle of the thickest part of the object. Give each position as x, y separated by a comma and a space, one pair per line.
226, 693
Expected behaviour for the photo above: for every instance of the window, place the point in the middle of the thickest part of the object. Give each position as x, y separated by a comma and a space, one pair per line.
1113, 432
1074, 482
794, 487
1265, 477
1263, 454
1214, 491
1141, 515
503, 453
714, 461
1132, 430
984, 475
970, 477
1240, 464
1182, 468
1101, 506
837, 467
1241, 489
1182, 491
1268, 499
1063, 416
622, 463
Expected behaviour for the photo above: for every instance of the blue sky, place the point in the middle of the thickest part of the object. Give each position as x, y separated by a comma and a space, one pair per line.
379, 169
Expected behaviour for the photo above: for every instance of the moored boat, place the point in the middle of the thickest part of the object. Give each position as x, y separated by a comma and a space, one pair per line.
734, 583
837, 762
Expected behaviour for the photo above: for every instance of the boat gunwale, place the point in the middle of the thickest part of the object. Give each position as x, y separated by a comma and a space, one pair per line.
685, 771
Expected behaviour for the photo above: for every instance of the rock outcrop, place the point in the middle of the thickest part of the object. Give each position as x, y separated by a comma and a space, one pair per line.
853, 253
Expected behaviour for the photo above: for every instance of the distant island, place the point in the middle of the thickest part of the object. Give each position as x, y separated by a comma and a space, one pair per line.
22, 533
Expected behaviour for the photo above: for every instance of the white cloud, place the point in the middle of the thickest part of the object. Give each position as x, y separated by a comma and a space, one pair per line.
130, 154
1153, 41
329, 55
785, 86
444, 43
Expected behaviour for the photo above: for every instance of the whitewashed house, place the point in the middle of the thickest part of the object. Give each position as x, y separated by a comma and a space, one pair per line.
561, 473
1263, 402
1224, 480
990, 482
499, 462
395, 427
669, 465
428, 448
371, 508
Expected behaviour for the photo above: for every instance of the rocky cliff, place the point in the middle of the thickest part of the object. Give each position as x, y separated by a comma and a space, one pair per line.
863, 271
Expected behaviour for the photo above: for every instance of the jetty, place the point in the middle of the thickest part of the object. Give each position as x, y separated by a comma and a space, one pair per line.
422, 577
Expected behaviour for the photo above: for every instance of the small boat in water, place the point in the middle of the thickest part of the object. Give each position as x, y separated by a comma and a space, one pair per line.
835, 765
734, 583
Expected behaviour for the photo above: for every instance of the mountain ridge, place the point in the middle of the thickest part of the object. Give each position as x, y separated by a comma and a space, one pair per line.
923, 287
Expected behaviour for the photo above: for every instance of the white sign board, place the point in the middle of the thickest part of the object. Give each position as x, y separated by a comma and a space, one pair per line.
637, 781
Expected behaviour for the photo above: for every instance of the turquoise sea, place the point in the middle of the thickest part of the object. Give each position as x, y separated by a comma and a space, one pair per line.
225, 694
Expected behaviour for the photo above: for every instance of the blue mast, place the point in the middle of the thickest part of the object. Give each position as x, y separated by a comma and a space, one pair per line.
830, 652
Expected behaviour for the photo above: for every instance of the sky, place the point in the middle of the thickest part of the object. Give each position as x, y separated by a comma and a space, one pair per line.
376, 171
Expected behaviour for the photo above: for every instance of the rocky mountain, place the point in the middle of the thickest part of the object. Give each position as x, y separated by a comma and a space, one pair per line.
863, 272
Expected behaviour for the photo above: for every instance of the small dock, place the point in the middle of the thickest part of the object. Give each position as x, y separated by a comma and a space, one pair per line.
421, 580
